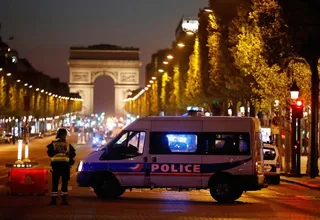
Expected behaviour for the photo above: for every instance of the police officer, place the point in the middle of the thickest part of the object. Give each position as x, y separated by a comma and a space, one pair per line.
62, 158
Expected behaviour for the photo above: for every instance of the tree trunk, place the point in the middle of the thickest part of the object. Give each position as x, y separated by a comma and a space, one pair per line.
313, 62
252, 110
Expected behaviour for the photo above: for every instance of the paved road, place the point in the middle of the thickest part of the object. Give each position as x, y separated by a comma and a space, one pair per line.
285, 201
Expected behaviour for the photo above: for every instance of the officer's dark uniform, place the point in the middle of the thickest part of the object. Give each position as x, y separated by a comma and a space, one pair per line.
61, 154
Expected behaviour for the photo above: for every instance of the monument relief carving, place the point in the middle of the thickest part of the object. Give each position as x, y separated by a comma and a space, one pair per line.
80, 77
129, 77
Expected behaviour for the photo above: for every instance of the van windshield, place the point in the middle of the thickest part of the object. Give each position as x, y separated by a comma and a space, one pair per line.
269, 153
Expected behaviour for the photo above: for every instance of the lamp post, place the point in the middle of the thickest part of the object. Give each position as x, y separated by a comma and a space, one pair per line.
294, 94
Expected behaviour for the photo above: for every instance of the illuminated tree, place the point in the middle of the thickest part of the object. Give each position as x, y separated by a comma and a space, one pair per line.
51, 106
216, 87
163, 97
20, 108
175, 97
154, 99
194, 90
2, 96
269, 83
13, 98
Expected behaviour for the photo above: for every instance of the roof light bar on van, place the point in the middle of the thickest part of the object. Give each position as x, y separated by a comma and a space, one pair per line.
195, 109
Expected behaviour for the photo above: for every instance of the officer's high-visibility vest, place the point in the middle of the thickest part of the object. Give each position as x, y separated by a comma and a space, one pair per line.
62, 148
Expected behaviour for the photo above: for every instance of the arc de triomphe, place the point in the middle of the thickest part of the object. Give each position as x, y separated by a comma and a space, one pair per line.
86, 64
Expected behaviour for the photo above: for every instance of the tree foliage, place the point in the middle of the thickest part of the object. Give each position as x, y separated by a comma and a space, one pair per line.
2, 96
193, 91
175, 94
164, 94
269, 82
13, 101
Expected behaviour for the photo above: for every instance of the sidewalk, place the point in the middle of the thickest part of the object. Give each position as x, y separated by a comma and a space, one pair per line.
304, 181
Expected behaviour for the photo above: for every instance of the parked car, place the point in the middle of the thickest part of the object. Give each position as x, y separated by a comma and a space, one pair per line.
271, 163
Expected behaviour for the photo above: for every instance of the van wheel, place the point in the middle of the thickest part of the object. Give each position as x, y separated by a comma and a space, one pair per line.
221, 191
237, 193
108, 189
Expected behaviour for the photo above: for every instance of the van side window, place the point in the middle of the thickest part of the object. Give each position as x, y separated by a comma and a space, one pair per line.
130, 143
229, 143
170, 143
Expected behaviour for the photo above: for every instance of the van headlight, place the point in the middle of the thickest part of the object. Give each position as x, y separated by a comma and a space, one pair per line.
80, 166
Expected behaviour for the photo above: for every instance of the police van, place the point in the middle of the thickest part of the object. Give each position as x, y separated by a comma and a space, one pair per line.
223, 154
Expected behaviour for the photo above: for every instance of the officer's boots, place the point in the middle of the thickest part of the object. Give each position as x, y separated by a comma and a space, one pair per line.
53, 200
64, 200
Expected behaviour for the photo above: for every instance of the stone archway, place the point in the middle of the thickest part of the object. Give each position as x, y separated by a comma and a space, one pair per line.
87, 64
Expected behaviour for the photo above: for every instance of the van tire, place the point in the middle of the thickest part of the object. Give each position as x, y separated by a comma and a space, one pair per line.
107, 188
223, 189
236, 194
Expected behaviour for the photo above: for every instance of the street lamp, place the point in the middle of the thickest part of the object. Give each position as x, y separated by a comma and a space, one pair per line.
160, 70
190, 33
295, 132
207, 9
170, 57
294, 91
165, 62
181, 45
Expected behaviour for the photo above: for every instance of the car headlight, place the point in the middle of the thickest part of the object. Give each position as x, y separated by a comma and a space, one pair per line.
80, 166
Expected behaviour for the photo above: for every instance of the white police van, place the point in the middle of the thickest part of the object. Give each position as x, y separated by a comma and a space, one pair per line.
223, 154
271, 163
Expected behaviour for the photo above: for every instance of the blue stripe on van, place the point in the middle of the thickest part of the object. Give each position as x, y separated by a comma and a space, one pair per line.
164, 167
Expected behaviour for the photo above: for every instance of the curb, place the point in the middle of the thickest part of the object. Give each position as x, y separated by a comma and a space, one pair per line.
301, 184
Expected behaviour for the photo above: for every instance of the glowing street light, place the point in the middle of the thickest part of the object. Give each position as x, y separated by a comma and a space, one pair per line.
1, 69
181, 45
190, 33
170, 56
151, 81
160, 70
206, 9
18, 80
8, 74
294, 91
149, 85
154, 78
165, 62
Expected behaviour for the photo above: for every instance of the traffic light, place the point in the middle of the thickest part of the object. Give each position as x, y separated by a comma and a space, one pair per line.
297, 109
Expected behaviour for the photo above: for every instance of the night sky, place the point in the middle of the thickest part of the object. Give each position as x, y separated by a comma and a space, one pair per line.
44, 30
